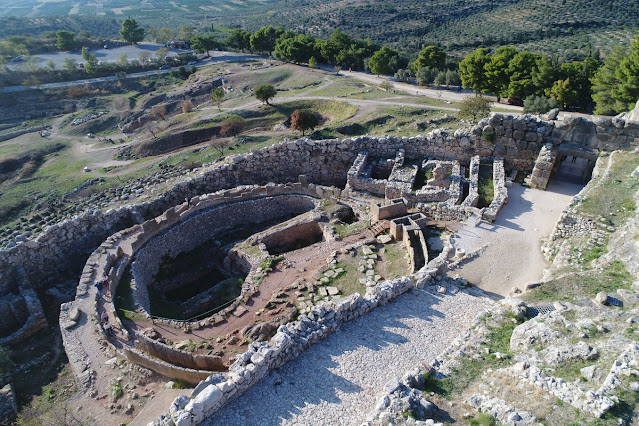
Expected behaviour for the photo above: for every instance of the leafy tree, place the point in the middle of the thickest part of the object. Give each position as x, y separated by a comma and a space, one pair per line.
163, 35
123, 60
203, 44
232, 126
312, 62
627, 73
440, 78
603, 82
65, 40
398, 62
564, 92
187, 32
303, 120
425, 76
329, 50
217, 97
472, 70
131, 32
70, 64
263, 40
265, 92
379, 63
521, 69
403, 74
473, 108
298, 48
238, 39
545, 73
430, 57
579, 74
452, 78
534, 104
91, 61
161, 54
497, 76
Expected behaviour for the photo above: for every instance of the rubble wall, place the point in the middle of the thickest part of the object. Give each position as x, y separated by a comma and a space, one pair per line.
63, 248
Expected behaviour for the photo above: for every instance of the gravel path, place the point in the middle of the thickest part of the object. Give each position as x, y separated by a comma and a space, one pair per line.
512, 255
337, 381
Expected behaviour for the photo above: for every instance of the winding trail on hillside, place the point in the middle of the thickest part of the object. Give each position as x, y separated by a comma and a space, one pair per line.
338, 380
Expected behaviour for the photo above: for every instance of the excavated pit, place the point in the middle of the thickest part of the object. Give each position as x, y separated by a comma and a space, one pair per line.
293, 238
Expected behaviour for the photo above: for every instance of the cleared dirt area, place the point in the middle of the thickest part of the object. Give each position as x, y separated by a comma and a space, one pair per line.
509, 249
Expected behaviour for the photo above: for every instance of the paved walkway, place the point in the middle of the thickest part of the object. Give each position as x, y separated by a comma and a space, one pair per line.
338, 380
512, 255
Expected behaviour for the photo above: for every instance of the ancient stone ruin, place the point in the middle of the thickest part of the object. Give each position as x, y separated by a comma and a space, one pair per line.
413, 182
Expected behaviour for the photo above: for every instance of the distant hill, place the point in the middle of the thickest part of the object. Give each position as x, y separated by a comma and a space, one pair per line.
561, 27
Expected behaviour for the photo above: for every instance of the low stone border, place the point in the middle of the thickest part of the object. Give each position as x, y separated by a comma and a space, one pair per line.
505, 413
596, 403
287, 344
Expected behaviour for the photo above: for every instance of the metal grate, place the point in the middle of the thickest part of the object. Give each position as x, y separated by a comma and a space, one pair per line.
533, 311
613, 301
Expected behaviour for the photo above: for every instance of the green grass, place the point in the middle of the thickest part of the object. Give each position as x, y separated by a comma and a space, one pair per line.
485, 185
569, 370
483, 419
348, 229
470, 370
612, 199
576, 286
394, 261
348, 282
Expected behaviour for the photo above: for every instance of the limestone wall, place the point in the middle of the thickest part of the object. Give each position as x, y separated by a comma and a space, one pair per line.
500, 191
113, 256
63, 248
289, 341
201, 227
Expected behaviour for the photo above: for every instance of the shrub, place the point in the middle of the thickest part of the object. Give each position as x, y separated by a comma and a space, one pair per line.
187, 106
232, 126
386, 85
265, 92
303, 120
474, 108
538, 104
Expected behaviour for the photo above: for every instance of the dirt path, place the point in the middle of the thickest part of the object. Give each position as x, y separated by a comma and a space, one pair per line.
511, 256
448, 95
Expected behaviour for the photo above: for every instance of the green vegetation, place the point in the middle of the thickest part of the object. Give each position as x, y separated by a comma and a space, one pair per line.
116, 389
131, 32
265, 93
612, 198
579, 286
485, 185
474, 108
538, 104
470, 369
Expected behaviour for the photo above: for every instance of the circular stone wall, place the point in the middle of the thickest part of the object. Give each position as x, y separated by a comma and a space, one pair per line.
204, 226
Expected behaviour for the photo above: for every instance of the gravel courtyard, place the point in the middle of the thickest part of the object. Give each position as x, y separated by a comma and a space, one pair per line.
512, 255
337, 381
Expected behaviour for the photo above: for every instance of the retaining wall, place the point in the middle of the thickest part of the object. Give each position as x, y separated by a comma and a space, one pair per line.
63, 248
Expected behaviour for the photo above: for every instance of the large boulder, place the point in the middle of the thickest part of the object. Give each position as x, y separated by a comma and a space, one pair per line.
633, 115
